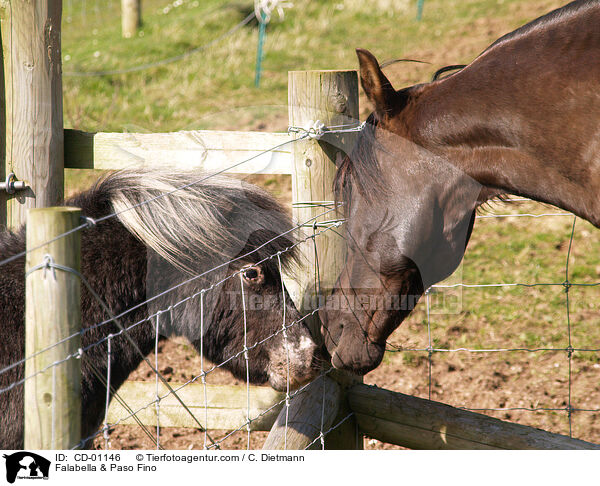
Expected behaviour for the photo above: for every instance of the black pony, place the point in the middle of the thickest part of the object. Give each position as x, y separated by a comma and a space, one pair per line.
153, 256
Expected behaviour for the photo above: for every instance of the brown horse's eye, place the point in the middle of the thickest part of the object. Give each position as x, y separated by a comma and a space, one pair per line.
253, 275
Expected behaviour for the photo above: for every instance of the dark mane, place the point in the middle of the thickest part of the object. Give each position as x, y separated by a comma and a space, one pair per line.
361, 166
445, 69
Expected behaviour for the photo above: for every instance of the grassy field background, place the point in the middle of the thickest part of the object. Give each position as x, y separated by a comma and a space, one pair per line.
214, 89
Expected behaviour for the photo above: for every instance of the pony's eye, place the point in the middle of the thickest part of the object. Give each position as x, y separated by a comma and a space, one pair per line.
253, 275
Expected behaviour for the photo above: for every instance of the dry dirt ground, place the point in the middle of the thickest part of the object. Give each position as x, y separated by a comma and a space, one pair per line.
460, 380
513, 380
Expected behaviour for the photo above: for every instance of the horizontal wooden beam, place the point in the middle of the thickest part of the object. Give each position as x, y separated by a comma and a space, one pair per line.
227, 406
206, 150
387, 416
417, 423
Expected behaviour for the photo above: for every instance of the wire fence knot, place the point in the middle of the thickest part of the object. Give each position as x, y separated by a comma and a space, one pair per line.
570, 350
316, 129
89, 222
48, 264
263, 9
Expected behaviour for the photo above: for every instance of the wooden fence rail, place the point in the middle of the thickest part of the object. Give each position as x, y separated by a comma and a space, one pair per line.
381, 414
417, 423
198, 149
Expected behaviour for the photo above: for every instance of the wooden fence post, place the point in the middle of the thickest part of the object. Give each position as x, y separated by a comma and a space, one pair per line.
33, 96
3, 111
52, 313
131, 17
330, 97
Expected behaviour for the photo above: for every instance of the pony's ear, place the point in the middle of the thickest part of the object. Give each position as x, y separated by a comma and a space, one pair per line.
377, 87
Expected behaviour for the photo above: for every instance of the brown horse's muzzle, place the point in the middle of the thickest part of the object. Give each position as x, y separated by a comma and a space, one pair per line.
349, 348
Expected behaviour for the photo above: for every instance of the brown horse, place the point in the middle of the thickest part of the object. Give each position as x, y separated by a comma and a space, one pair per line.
523, 118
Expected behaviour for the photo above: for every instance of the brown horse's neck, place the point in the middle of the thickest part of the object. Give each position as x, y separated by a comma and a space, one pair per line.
534, 129
505, 170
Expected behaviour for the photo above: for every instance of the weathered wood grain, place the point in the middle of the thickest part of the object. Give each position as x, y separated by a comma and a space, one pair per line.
34, 104
417, 423
210, 151
225, 408
52, 313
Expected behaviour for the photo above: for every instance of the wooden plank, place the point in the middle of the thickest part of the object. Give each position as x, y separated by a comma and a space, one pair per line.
423, 424
210, 151
34, 135
52, 313
311, 411
226, 406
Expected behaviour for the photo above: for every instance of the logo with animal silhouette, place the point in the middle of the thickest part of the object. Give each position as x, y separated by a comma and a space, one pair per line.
26, 465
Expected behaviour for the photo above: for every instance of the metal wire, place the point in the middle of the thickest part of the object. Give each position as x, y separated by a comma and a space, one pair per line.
90, 222
569, 350
163, 62
327, 225
204, 373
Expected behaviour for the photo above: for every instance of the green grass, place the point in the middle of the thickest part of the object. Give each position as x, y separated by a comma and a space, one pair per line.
214, 88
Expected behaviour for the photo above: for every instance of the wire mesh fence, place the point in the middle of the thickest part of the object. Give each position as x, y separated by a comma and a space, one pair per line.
123, 324
434, 350
515, 357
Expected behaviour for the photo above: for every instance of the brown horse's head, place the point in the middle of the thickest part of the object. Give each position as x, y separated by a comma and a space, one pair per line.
410, 213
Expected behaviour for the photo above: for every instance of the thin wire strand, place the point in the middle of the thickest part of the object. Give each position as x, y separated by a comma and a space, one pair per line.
246, 357
163, 62
175, 287
329, 430
272, 407
122, 330
430, 347
108, 386
287, 354
202, 372
157, 407
570, 347
146, 201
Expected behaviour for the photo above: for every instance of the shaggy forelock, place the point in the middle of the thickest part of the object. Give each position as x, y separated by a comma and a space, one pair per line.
191, 219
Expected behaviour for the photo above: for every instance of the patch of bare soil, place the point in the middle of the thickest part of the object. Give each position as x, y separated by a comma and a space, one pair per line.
528, 388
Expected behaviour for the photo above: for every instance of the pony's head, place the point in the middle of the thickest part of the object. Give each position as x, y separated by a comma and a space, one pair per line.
217, 249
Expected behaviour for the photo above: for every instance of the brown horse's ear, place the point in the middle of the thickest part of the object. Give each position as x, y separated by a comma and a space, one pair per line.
377, 87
